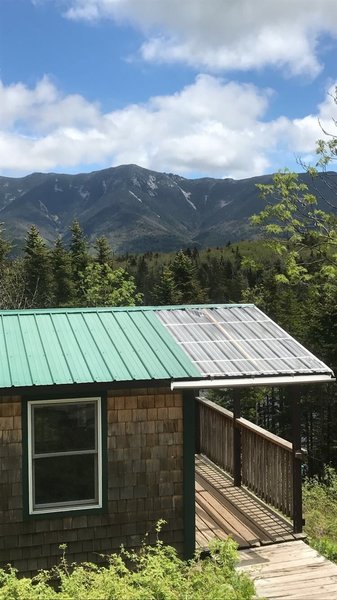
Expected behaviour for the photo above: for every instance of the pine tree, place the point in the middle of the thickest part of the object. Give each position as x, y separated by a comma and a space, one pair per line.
185, 279
79, 258
63, 287
37, 270
103, 250
166, 292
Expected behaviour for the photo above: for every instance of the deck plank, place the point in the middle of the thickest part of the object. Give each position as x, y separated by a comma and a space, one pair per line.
235, 511
225, 518
290, 570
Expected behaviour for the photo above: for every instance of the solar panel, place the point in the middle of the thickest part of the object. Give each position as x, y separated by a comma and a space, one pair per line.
227, 341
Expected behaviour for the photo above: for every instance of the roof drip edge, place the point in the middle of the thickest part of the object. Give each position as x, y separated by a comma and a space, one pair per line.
252, 382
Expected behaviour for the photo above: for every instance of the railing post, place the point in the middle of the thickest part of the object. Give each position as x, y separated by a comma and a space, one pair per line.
297, 459
236, 438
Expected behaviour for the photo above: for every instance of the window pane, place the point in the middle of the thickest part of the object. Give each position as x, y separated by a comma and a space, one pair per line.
65, 478
64, 427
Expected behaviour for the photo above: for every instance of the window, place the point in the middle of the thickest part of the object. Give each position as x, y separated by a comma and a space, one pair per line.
64, 455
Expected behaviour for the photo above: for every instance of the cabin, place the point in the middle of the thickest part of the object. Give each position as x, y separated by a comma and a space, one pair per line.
103, 430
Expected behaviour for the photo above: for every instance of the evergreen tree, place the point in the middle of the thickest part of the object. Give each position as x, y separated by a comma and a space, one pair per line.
79, 258
38, 278
63, 287
166, 291
5, 246
185, 279
103, 250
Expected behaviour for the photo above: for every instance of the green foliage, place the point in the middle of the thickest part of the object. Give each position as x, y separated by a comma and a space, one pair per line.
79, 257
103, 250
37, 269
166, 291
326, 547
153, 573
5, 246
298, 230
327, 148
185, 279
12, 286
63, 285
101, 286
320, 511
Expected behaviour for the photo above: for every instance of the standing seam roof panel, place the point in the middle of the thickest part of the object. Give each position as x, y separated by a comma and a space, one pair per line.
125, 348
5, 373
179, 360
153, 367
34, 351
132, 327
71, 350
107, 348
53, 350
16, 351
89, 349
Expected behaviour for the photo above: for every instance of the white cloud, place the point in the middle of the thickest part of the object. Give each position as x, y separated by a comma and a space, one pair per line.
210, 127
43, 107
223, 34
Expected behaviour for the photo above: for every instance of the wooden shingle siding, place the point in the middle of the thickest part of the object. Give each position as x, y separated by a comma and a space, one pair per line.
144, 475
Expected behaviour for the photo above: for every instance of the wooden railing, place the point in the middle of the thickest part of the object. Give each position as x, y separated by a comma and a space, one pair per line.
215, 433
267, 461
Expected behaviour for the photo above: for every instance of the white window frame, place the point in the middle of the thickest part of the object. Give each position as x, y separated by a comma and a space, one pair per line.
64, 506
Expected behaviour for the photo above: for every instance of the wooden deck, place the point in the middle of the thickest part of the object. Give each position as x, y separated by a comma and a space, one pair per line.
223, 510
281, 565
290, 570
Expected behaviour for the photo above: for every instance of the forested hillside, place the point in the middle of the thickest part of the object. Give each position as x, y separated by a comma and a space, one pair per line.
136, 209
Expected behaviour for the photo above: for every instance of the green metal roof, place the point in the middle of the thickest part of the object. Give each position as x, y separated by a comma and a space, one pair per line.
67, 346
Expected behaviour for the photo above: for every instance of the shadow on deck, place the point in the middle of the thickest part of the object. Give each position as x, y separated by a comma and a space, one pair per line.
223, 509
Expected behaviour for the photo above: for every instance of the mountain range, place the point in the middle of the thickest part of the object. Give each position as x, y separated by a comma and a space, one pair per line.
138, 210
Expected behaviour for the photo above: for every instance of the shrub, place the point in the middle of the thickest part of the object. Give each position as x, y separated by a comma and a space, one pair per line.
320, 511
153, 573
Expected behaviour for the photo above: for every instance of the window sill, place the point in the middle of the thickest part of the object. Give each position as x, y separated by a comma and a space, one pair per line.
64, 513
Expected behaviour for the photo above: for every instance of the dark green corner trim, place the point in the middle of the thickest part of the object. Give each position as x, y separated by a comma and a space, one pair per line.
24, 423
189, 403
104, 410
25, 497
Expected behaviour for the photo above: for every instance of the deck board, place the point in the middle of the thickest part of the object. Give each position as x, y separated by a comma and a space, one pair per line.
224, 510
290, 570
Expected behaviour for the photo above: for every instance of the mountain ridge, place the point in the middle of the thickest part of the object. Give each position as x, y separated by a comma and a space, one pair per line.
137, 209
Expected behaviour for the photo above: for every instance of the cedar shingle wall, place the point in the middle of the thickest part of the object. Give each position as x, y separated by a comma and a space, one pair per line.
144, 484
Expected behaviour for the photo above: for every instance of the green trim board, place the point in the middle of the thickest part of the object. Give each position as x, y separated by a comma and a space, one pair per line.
54, 391
189, 408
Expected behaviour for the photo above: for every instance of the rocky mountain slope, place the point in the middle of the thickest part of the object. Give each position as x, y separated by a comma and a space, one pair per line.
137, 209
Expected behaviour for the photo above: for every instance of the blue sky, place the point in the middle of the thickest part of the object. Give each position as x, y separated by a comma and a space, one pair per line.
200, 88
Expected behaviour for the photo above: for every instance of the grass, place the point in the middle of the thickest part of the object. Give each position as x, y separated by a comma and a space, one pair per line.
320, 512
